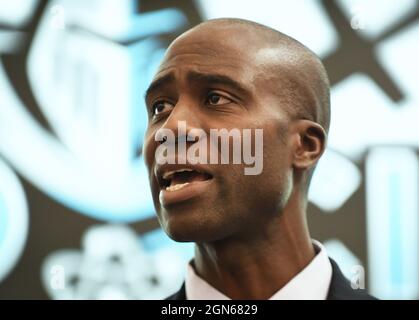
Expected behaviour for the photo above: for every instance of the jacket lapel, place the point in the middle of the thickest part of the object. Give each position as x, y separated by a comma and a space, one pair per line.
179, 295
340, 287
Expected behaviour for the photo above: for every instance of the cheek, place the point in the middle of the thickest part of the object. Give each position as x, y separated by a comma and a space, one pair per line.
273, 185
269, 190
267, 194
149, 148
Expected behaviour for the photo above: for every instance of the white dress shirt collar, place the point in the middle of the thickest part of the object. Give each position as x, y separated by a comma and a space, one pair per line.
312, 283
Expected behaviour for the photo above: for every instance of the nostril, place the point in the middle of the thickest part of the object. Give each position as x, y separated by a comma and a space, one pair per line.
161, 136
194, 135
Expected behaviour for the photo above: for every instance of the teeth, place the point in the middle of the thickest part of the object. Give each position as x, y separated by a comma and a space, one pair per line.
168, 174
177, 186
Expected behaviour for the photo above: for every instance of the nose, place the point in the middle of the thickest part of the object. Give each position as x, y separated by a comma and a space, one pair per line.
183, 124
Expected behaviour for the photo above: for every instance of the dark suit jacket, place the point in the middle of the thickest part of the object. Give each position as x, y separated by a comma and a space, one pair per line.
340, 288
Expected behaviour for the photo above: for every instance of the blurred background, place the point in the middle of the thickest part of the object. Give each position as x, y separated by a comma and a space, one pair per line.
76, 216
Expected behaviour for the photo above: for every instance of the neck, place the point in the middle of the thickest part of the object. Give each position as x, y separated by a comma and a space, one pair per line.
257, 266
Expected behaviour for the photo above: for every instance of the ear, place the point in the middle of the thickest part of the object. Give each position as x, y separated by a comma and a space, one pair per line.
309, 143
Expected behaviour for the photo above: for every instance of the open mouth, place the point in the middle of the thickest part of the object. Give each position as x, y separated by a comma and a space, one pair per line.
178, 179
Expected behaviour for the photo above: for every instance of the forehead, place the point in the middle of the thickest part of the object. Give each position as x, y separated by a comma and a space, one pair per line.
208, 53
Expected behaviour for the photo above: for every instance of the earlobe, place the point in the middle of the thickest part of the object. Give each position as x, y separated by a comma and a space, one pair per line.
310, 144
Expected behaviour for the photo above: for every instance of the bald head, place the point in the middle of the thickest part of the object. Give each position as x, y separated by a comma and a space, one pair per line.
293, 71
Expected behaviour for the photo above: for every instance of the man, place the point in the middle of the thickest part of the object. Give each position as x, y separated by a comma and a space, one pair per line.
250, 231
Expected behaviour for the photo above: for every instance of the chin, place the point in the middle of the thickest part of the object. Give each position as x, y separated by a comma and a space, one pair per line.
184, 233
193, 221
182, 230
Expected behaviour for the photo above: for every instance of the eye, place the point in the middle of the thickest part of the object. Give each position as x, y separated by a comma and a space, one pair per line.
216, 99
161, 106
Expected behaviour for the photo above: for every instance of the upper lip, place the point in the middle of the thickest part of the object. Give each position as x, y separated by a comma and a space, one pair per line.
165, 170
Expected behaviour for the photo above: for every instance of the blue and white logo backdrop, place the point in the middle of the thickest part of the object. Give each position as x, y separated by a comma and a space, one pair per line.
72, 77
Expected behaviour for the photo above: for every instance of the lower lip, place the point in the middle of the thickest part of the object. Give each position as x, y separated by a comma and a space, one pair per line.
189, 191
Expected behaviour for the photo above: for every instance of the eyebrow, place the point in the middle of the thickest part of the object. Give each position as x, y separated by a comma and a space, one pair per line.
213, 78
158, 83
193, 76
